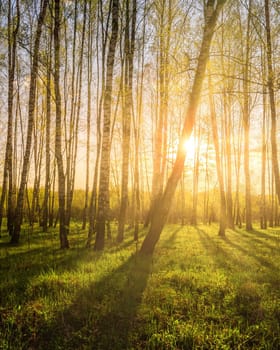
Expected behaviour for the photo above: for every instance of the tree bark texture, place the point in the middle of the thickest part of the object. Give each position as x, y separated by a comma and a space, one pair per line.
103, 196
127, 112
58, 130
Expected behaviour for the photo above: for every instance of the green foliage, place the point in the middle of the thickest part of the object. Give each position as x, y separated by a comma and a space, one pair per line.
198, 291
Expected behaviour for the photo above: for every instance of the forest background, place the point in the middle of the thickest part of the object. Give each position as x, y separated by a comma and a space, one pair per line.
94, 96
126, 121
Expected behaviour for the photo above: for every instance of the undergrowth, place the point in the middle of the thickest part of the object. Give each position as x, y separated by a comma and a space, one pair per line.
197, 291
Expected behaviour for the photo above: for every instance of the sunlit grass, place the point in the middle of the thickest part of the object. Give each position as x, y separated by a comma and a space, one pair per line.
198, 291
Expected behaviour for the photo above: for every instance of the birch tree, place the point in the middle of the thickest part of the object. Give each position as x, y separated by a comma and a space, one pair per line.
270, 84
103, 196
58, 128
13, 28
127, 110
160, 214
15, 228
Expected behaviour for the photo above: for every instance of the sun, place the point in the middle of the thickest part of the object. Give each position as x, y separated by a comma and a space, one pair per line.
190, 147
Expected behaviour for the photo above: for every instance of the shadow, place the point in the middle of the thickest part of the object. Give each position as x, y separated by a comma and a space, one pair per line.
262, 234
20, 264
104, 314
252, 253
219, 255
216, 249
260, 237
6, 245
168, 242
129, 241
263, 270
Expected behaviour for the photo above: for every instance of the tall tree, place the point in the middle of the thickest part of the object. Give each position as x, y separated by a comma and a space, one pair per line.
13, 28
103, 195
15, 234
246, 123
89, 97
270, 84
138, 116
212, 10
58, 128
160, 144
196, 160
74, 115
45, 206
99, 99
127, 110
263, 210
223, 208
37, 156
227, 87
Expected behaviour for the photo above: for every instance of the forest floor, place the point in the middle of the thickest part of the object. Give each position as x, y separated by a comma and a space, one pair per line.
197, 291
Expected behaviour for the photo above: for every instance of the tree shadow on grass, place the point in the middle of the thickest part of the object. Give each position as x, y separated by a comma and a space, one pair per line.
264, 238
267, 270
252, 253
219, 255
172, 237
228, 260
104, 314
20, 265
216, 248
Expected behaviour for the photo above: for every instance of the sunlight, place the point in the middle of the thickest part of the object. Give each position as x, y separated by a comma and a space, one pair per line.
190, 147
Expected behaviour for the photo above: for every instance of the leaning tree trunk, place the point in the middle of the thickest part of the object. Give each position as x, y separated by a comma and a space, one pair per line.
103, 196
31, 108
161, 212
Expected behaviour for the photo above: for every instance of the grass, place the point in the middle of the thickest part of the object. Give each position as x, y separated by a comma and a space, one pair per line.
198, 291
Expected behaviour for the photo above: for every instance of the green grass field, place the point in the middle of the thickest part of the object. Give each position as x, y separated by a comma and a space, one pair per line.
198, 291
